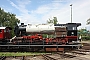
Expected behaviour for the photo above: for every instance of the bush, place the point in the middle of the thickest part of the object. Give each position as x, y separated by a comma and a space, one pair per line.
85, 37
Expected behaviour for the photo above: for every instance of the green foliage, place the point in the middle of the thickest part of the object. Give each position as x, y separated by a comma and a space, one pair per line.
85, 37
83, 32
54, 21
21, 53
45, 35
8, 20
48, 36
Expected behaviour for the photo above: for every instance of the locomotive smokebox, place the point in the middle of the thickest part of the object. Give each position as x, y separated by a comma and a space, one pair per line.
22, 27
20, 30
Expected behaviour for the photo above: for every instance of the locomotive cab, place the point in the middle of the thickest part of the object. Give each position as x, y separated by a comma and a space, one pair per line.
72, 31
4, 34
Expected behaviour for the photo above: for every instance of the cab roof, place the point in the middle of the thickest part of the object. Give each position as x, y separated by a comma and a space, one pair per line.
2, 27
6, 27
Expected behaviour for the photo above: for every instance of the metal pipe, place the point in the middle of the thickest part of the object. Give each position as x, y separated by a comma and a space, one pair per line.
71, 13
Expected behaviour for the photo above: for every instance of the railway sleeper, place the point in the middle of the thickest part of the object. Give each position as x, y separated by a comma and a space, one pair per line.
63, 55
46, 57
76, 52
2, 57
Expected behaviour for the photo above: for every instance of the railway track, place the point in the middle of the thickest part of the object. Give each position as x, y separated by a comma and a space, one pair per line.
2, 57
83, 50
79, 54
46, 57
64, 55
53, 56
12, 58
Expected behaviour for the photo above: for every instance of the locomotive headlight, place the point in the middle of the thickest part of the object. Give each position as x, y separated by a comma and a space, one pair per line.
72, 33
82, 44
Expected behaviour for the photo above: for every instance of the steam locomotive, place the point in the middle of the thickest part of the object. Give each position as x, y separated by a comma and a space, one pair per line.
33, 36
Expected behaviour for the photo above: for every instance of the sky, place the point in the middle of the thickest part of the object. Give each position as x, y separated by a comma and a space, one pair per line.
39, 11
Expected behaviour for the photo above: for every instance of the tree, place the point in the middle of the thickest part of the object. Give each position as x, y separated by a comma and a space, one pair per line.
88, 21
8, 19
84, 32
54, 21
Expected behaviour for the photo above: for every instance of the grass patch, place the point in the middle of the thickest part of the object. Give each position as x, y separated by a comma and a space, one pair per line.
20, 53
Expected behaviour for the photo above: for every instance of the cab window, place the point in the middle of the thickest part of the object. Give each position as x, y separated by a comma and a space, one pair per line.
0, 31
